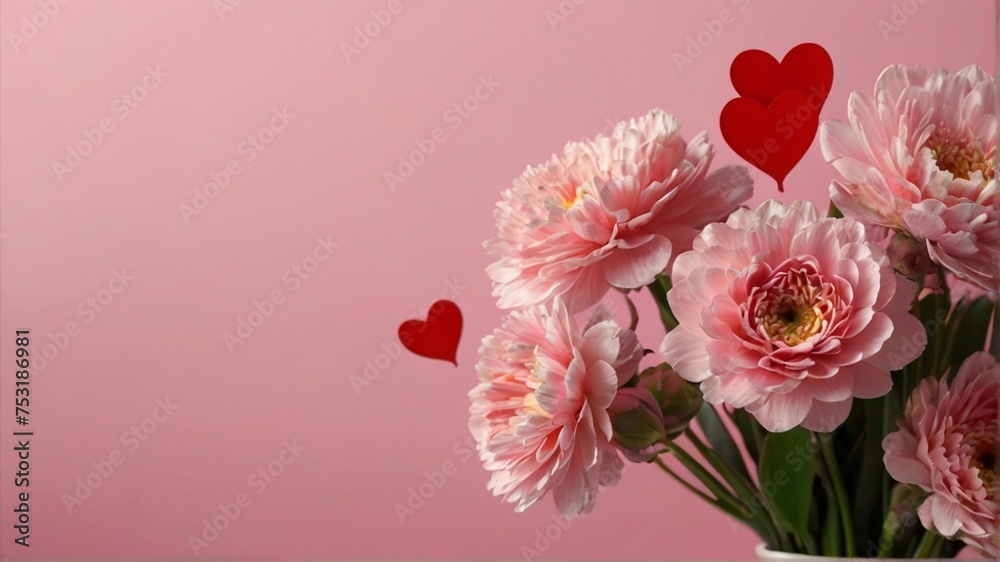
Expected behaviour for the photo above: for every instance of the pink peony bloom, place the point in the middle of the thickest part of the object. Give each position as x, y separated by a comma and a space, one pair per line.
539, 413
610, 212
790, 315
947, 445
918, 158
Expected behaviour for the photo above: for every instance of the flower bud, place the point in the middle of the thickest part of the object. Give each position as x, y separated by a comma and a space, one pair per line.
679, 400
637, 423
661, 404
908, 255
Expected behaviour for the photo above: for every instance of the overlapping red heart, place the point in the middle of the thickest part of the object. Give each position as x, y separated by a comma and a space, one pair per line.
774, 121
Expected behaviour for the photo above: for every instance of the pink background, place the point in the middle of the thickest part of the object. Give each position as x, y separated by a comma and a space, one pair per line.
161, 336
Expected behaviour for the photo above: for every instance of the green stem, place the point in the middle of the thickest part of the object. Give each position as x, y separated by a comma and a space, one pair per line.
832, 536
690, 487
915, 369
892, 407
994, 345
750, 430
633, 313
659, 289
885, 540
939, 360
939, 545
830, 458
745, 489
945, 289
726, 506
810, 544
721, 492
832, 533
703, 476
742, 468
930, 545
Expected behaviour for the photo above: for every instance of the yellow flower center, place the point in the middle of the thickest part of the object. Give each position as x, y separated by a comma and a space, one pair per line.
960, 156
534, 382
793, 309
983, 436
568, 202
531, 403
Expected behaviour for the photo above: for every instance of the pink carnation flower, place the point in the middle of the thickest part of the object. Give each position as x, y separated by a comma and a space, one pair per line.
947, 445
790, 315
540, 411
918, 158
610, 212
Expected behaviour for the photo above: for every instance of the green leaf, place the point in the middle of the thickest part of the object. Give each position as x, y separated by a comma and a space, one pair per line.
892, 410
659, 289
751, 432
834, 212
788, 466
717, 434
951, 549
899, 534
933, 311
967, 330
865, 484
831, 538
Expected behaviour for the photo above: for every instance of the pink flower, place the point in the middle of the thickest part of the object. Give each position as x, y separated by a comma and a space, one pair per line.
790, 315
947, 445
610, 212
539, 412
918, 158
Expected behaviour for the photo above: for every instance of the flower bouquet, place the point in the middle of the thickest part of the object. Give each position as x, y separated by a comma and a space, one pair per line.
824, 378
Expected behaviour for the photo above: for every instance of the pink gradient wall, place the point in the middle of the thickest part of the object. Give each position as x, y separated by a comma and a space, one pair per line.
144, 387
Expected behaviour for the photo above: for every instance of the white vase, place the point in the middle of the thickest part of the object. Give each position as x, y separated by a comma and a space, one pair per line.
765, 555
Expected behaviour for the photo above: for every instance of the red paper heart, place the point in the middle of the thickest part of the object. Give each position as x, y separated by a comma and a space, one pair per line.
437, 337
806, 68
773, 138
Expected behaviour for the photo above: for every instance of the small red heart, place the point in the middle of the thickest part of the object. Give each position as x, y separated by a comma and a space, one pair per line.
806, 68
772, 138
438, 336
